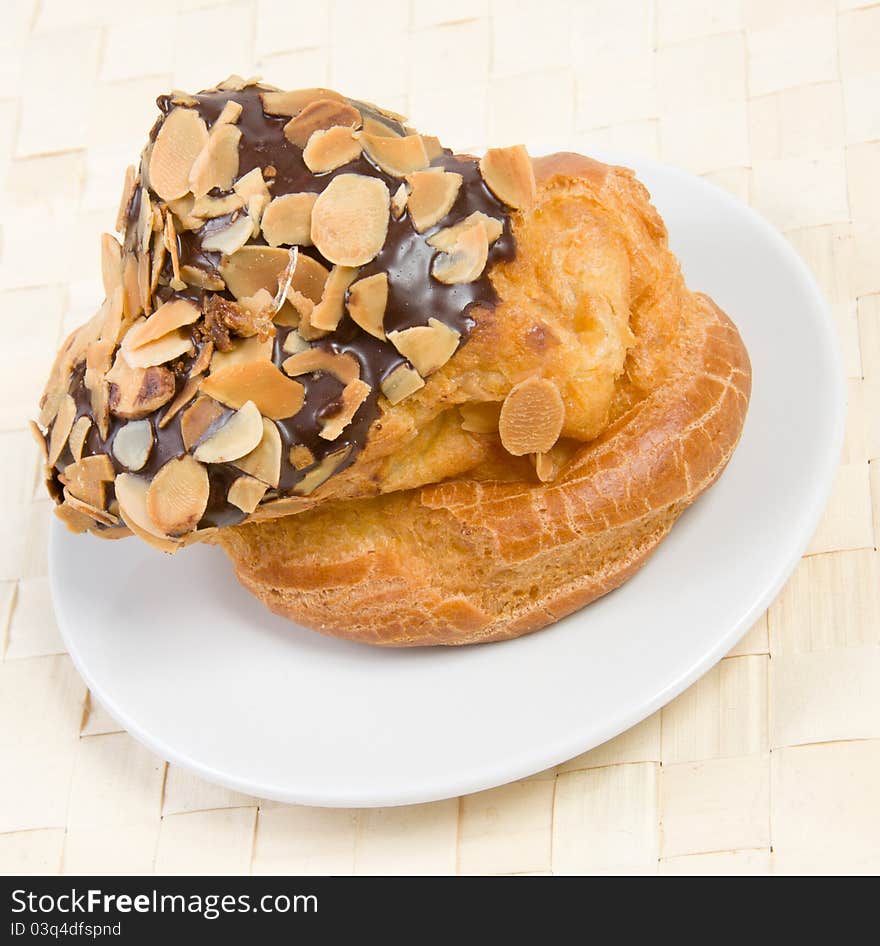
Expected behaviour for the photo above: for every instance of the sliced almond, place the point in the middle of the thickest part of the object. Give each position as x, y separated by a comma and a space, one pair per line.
264, 461
531, 417
322, 472
133, 444
181, 399
246, 493
253, 268
77, 439
402, 382
178, 496
111, 328
342, 366
261, 382
431, 196
128, 189
432, 146
320, 115
202, 278
230, 239
111, 263
237, 437
428, 347
251, 185
131, 491
179, 142
350, 219
74, 520
467, 258
87, 479
61, 428
293, 102
546, 466
308, 278
367, 299
182, 207
135, 392
398, 201
206, 208
480, 418
328, 313
330, 148
353, 395
447, 238
202, 361
163, 350
509, 174
373, 126
159, 252
294, 344
131, 298
396, 156
243, 351
217, 163
229, 115
172, 315
287, 220
197, 421
95, 513
300, 456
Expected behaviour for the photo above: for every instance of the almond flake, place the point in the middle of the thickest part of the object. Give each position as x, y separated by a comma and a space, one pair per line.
181, 139
379, 129
251, 185
350, 219
432, 146
202, 278
135, 392
398, 201
230, 114
546, 466
480, 418
133, 444
328, 313
466, 259
246, 493
264, 461
322, 472
158, 259
131, 491
402, 382
182, 209
353, 395
287, 220
367, 299
275, 395
318, 116
432, 196
230, 239
178, 313
428, 347
163, 350
509, 174
237, 437
61, 428
77, 439
447, 238
111, 263
342, 366
197, 421
243, 351
300, 456
93, 512
203, 360
128, 189
253, 268
131, 298
178, 496
183, 397
396, 156
531, 417
87, 479
309, 278
206, 208
73, 519
217, 163
330, 148
293, 102
294, 344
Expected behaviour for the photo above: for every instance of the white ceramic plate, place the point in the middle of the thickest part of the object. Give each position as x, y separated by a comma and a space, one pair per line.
197, 670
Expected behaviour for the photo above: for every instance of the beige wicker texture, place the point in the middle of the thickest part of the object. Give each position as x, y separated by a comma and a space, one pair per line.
771, 762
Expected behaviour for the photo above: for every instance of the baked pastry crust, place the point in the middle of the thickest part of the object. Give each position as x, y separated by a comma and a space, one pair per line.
491, 553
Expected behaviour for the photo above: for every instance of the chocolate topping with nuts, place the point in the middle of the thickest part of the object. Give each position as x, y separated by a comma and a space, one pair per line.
271, 286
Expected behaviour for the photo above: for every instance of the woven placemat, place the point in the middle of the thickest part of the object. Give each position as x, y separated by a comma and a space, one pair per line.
771, 762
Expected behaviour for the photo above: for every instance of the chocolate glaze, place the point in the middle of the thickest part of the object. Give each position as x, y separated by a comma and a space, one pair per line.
414, 296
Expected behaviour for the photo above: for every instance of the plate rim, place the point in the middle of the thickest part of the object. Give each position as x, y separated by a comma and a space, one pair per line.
531, 760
